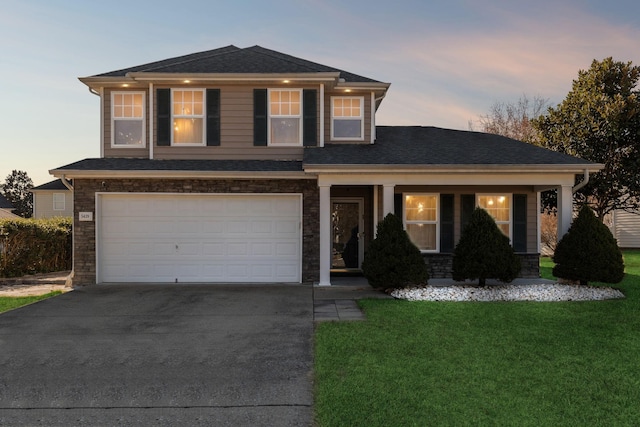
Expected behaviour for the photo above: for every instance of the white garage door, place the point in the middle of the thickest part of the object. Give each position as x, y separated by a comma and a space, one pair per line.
199, 238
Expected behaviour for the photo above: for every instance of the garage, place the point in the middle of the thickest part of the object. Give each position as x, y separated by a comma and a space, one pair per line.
198, 238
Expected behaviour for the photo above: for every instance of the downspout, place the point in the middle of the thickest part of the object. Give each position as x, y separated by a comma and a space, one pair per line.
584, 182
73, 234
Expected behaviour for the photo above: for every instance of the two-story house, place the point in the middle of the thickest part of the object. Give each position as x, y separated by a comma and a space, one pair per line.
249, 165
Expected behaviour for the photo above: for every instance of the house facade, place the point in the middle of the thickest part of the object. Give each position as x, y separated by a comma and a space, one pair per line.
52, 199
249, 165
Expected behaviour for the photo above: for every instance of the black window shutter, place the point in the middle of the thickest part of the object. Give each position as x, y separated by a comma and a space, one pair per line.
446, 223
467, 205
519, 223
260, 117
397, 206
213, 117
163, 97
309, 118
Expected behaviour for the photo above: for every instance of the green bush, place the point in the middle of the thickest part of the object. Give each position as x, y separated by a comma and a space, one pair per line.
29, 246
588, 252
484, 252
392, 260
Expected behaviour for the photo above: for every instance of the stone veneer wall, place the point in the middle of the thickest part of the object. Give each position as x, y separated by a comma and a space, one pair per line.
440, 265
85, 201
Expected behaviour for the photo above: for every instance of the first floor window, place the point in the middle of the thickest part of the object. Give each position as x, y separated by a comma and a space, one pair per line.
127, 112
58, 201
347, 115
188, 117
421, 220
285, 117
499, 207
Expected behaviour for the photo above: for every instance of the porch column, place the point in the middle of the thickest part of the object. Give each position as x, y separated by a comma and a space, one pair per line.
565, 209
387, 199
325, 235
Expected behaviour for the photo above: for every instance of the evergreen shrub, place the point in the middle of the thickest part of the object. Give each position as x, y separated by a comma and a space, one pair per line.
484, 252
392, 260
588, 252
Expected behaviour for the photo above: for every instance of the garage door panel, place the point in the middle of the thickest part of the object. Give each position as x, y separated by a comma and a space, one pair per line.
199, 238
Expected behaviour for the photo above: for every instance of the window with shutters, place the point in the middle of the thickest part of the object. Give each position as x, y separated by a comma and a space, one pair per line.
285, 117
499, 207
421, 220
347, 118
188, 110
127, 119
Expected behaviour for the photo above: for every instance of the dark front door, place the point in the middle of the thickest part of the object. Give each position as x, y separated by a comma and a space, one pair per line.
346, 231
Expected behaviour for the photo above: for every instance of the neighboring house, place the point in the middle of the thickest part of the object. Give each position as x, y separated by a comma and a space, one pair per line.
625, 227
249, 165
6, 208
52, 199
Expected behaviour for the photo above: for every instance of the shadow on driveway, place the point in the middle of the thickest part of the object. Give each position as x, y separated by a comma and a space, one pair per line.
163, 355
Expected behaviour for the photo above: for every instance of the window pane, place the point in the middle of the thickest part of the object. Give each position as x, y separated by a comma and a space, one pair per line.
421, 208
423, 236
347, 129
127, 132
187, 131
285, 131
117, 111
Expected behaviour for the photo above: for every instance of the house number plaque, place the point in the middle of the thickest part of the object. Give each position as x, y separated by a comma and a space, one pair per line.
85, 216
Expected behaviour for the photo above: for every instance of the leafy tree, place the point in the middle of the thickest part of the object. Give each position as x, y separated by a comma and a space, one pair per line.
588, 252
484, 252
392, 260
599, 121
16, 190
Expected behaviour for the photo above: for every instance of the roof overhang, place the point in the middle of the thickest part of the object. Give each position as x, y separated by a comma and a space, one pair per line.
453, 169
175, 174
142, 79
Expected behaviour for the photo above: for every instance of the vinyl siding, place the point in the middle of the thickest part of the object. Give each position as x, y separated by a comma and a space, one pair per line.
626, 229
43, 204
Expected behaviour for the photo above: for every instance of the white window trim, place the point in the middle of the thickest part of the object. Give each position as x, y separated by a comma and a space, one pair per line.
299, 116
203, 117
361, 118
144, 120
64, 201
436, 222
510, 196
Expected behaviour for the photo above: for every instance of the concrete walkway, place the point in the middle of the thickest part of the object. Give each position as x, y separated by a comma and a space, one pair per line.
338, 301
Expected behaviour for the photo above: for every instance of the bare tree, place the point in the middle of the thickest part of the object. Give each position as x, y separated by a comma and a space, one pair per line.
513, 120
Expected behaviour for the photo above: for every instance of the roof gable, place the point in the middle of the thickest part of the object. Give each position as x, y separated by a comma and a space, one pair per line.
56, 184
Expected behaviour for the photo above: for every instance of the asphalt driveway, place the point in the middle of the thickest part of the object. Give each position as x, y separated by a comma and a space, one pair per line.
160, 355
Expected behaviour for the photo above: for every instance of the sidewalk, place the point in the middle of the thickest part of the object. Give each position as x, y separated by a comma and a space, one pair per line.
339, 301
37, 284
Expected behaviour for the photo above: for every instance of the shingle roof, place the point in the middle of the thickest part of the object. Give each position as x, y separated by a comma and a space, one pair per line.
51, 185
130, 164
431, 146
232, 59
4, 203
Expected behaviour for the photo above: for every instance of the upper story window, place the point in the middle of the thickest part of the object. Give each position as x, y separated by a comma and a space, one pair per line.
128, 119
58, 201
285, 117
421, 220
188, 117
499, 207
347, 118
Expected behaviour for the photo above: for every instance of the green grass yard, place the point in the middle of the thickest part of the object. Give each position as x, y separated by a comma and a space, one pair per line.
10, 303
479, 363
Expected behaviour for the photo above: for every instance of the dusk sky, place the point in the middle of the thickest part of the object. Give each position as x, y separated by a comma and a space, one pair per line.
447, 61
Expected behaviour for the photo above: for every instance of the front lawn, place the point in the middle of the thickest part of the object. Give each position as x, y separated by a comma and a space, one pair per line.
478, 363
9, 303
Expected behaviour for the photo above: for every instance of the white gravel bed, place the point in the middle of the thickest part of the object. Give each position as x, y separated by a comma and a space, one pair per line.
524, 292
